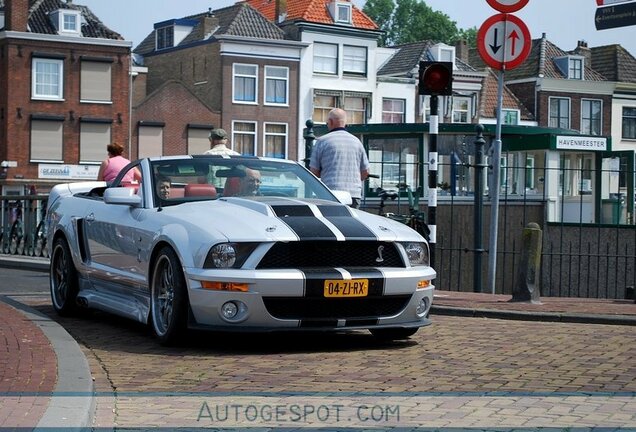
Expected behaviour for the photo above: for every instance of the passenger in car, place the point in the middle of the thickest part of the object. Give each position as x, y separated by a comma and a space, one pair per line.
251, 183
163, 187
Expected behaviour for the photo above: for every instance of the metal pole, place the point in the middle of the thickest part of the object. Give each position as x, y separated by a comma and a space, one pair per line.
480, 142
494, 192
432, 175
309, 141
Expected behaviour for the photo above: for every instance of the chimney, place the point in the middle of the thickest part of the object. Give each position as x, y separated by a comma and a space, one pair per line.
280, 11
583, 50
461, 50
17, 18
210, 23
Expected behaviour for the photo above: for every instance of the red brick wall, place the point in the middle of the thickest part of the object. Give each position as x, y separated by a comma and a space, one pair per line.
17, 15
176, 106
19, 105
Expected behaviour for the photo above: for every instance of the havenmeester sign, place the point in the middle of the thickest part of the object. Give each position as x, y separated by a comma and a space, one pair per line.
581, 143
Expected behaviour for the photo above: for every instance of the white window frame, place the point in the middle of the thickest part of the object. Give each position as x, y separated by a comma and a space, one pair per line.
506, 112
569, 111
267, 134
323, 109
392, 112
343, 13
352, 111
575, 68
36, 79
590, 119
269, 78
455, 109
71, 25
354, 60
327, 58
244, 76
236, 133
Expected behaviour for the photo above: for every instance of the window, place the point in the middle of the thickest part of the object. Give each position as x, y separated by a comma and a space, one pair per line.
276, 140
94, 137
244, 83
510, 117
276, 79
560, 113
325, 58
96, 81
356, 109
244, 137
343, 13
47, 140
461, 110
47, 80
393, 110
322, 105
150, 141
575, 68
69, 22
629, 123
530, 164
354, 60
165, 37
591, 116
395, 160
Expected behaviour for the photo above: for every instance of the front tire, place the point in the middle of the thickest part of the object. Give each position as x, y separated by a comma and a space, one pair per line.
63, 279
391, 334
168, 297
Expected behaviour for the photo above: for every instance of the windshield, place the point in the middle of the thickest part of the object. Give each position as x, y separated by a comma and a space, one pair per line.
212, 177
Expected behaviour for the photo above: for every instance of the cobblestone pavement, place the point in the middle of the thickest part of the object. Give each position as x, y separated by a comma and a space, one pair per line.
459, 372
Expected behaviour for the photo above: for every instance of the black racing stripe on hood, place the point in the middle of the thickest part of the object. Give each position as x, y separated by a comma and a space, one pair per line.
348, 225
315, 280
302, 221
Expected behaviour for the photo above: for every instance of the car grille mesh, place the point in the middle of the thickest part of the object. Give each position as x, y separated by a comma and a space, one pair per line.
331, 254
341, 308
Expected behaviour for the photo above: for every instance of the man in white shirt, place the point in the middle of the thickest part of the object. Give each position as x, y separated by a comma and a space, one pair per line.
218, 143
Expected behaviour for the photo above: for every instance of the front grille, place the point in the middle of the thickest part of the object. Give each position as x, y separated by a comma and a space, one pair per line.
331, 254
335, 308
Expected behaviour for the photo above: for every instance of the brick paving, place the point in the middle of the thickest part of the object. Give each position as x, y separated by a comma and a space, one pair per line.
552, 374
28, 369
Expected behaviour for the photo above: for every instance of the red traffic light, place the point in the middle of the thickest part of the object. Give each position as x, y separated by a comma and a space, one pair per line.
436, 78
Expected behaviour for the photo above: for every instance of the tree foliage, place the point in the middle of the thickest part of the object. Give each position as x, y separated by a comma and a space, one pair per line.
405, 21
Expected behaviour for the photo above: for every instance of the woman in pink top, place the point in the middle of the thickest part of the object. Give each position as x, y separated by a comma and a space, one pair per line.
114, 163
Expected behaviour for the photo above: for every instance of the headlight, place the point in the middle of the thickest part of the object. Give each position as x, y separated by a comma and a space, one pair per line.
417, 253
228, 255
223, 255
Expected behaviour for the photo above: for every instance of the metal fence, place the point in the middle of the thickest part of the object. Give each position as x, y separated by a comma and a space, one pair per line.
22, 227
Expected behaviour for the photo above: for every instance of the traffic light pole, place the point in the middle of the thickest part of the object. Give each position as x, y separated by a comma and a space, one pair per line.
432, 175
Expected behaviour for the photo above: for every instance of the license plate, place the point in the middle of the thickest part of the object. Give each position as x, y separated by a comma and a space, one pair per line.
346, 288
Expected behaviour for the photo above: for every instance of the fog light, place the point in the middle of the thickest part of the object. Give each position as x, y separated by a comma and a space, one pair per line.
422, 307
229, 310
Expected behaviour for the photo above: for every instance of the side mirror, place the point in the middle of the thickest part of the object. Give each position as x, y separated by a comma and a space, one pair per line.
343, 196
122, 196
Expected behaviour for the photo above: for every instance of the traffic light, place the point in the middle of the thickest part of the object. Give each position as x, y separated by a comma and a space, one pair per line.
436, 78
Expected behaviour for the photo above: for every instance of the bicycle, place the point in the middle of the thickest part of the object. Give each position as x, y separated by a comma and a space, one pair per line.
415, 218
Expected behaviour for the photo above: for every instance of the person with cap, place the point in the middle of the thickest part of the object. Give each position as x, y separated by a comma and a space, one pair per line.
218, 142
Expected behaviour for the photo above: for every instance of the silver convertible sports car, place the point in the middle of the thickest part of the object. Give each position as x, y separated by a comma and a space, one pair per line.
233, 244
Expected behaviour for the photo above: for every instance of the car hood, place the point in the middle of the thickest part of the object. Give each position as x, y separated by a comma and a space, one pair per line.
283, 219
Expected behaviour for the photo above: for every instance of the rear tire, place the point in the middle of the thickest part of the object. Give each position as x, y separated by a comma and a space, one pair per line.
391, 334
63, 279
168, 298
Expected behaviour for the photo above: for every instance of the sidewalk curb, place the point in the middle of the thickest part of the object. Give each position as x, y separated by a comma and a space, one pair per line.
24, 262
534, 316
72, 404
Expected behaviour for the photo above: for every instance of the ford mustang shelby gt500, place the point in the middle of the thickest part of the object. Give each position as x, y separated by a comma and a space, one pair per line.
233, 243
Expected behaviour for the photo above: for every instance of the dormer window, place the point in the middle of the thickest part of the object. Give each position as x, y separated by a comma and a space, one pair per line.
443, 53
171, 33
340, 12
571, 67
165, 37
67, 22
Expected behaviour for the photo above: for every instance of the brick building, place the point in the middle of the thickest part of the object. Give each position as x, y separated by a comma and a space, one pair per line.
235, 64
64, 93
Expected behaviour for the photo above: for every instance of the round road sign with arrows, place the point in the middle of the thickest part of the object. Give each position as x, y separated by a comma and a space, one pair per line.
507, 6
503, 41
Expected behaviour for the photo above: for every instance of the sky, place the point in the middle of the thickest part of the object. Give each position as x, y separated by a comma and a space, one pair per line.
564, 21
